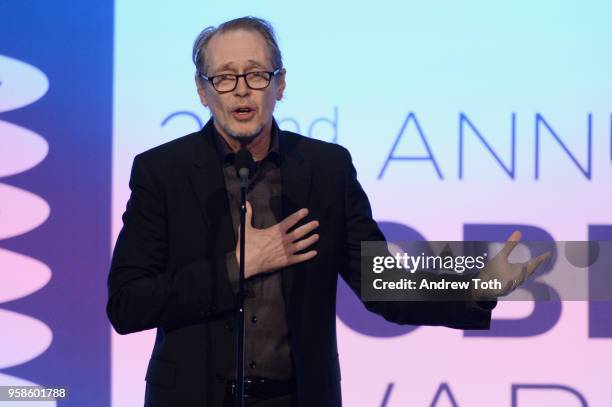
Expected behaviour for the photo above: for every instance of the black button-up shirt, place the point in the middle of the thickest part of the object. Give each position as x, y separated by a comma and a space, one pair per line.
267, 349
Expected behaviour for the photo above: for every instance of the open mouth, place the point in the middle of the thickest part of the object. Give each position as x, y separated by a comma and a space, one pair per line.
243, 113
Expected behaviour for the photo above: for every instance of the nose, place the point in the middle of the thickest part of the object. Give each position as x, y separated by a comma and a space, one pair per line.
242, 87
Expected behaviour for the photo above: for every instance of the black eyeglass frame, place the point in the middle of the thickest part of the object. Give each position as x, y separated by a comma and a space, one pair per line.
237, 78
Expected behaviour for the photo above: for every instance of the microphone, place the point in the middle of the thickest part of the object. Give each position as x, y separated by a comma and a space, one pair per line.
244, 165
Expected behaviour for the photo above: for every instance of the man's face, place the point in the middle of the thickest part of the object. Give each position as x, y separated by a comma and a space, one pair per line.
243, 113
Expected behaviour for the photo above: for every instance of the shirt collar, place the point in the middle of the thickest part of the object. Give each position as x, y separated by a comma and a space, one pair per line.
227, 155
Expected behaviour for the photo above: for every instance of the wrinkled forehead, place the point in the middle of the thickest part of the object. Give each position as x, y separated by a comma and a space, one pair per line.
237, 50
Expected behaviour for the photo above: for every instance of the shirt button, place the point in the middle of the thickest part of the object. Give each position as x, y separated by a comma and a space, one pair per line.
252, 365
254, 319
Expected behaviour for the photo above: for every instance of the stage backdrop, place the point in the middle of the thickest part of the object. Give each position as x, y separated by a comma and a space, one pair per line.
465, 120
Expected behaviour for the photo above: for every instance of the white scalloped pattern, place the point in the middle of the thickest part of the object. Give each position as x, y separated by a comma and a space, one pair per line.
23, 337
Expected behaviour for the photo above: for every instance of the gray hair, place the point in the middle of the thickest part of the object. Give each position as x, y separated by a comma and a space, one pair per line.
248, 23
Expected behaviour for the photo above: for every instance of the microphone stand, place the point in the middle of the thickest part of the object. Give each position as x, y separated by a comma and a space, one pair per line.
244, 162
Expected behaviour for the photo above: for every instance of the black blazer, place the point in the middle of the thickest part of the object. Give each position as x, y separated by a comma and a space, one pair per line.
169, 272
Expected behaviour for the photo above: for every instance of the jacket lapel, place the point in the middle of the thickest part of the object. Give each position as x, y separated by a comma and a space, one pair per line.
296, 175
208, 183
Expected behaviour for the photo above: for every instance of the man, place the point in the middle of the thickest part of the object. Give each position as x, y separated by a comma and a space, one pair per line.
175, 263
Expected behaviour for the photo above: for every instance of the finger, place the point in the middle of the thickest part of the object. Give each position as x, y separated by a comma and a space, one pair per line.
513, 285
511, 243
248, 217
304, 243
303, 230
533, 264
299, 258
292, 219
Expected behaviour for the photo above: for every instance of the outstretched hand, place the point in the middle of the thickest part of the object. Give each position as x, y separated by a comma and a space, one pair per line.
510, 275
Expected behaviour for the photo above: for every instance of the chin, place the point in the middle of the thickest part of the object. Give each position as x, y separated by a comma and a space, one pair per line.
245, 134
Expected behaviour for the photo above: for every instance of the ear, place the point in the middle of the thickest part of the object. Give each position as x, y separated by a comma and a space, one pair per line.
281, 84
201, 92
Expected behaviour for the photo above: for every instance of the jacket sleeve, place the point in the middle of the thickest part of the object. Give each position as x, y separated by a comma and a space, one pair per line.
142, 292
360, 227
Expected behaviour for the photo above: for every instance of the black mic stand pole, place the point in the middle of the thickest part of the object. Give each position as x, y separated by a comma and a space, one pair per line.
243, 172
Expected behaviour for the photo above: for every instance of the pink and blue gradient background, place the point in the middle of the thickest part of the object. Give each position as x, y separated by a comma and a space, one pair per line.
375, 64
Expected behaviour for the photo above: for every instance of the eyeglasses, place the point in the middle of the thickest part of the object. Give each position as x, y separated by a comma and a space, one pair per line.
256, 80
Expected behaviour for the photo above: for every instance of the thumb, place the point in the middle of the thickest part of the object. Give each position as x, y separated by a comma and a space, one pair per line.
248, 218
511, 243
